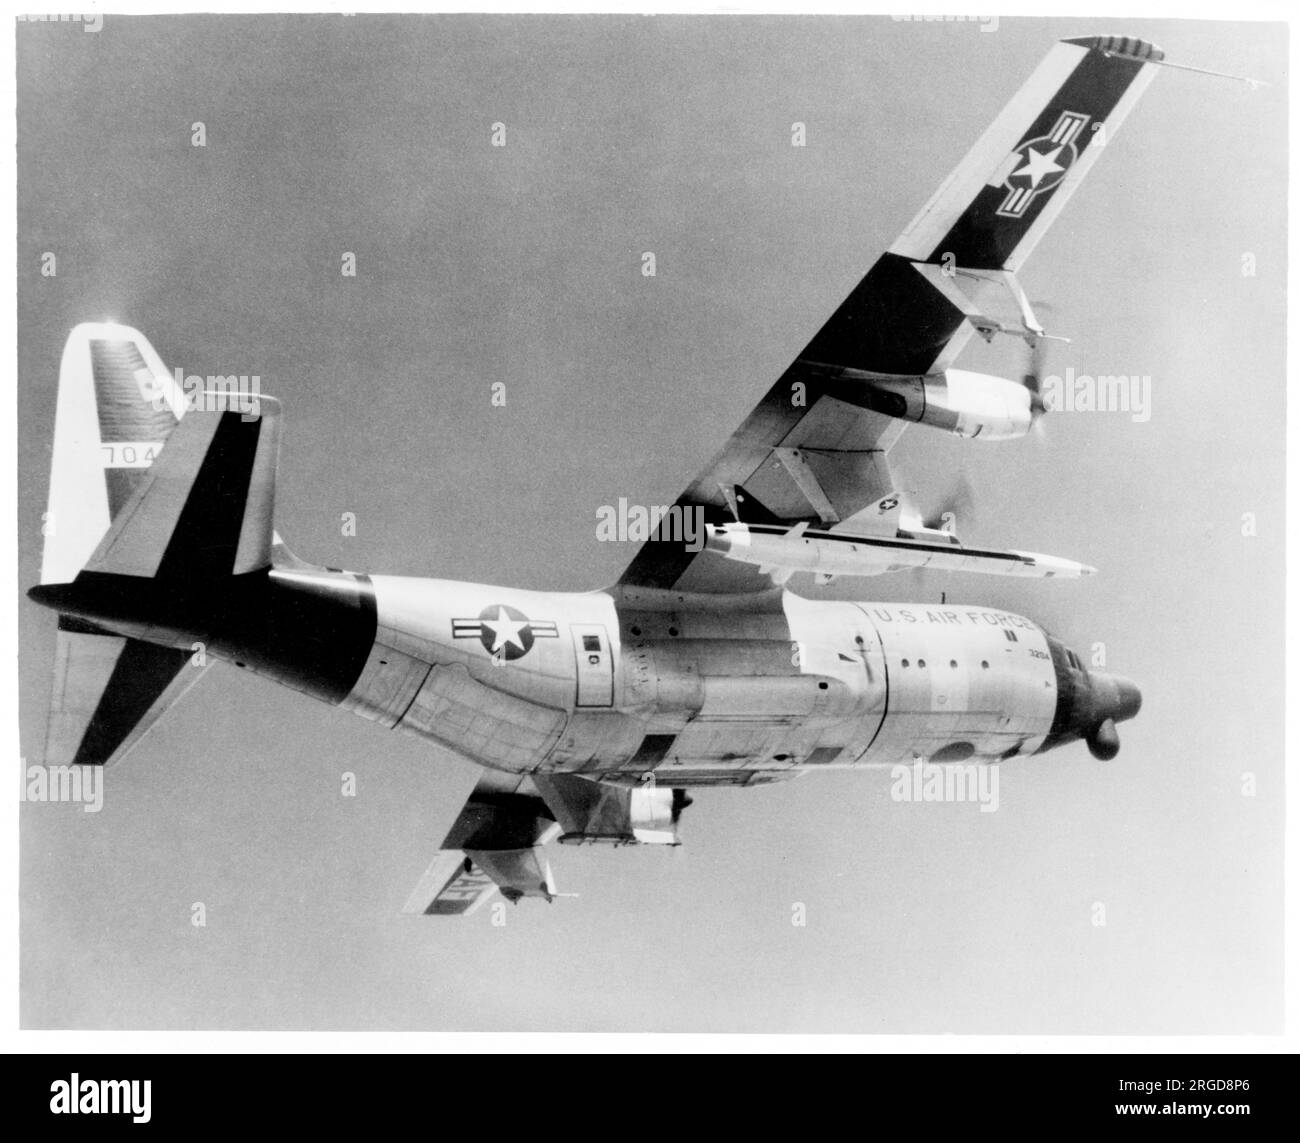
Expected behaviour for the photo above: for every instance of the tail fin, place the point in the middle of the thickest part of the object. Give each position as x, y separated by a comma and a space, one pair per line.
204, 511
117, 406
124, 509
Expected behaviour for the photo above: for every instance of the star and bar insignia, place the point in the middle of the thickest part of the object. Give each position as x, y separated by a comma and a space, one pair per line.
1040, 164
503, 631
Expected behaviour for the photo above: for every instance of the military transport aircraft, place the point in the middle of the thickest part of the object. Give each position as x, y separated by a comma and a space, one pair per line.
593, 715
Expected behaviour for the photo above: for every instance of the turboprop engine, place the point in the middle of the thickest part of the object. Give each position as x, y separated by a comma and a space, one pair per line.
958, 401
589, 813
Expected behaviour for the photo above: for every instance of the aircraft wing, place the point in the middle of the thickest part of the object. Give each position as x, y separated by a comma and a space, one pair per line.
496, 841
814, 450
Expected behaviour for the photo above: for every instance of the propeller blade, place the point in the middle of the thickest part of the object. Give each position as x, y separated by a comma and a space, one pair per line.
1036, 365
681, 800
1033, 378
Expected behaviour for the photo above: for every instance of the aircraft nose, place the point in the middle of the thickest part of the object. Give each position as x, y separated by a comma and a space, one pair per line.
1128, 699
1113, 697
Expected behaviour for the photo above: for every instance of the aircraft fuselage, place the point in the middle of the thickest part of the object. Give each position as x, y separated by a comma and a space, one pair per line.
696, 690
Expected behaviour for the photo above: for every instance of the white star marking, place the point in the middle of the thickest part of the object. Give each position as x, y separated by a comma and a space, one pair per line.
1038, 165
505, 630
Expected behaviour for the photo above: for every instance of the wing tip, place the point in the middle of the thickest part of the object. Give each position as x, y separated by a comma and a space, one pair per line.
1127, 46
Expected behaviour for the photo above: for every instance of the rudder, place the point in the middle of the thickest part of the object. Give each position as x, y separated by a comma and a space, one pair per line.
117, 405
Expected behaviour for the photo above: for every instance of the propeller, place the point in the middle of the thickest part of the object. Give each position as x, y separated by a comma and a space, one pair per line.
1036, 365
681, 799
1033, 378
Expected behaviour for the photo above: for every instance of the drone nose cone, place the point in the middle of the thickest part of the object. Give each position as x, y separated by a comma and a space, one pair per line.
1128, 699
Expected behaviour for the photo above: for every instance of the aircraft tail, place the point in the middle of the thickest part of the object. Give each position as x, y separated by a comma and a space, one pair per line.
151, 499
117, 405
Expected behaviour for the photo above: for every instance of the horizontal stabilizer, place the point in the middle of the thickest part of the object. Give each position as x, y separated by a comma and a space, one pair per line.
148, 490
108, 692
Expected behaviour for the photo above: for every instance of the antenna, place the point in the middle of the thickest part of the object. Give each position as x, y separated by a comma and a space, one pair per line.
1254, 83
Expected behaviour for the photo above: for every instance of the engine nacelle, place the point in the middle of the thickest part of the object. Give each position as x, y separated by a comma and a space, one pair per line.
592, 812
977, 405
652, 815
957, 401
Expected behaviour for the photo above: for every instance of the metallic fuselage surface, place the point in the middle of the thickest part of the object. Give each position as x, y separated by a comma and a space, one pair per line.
530, 681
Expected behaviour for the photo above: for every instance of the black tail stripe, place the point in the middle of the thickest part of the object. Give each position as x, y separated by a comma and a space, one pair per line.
139, 677
206, 538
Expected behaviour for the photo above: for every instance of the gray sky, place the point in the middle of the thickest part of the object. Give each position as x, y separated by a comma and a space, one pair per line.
522, 264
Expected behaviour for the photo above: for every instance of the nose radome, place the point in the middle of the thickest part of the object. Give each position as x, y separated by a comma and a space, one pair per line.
1128, 699
1119, 697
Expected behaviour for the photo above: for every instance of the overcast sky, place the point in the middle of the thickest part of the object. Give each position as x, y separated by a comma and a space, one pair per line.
522, 265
